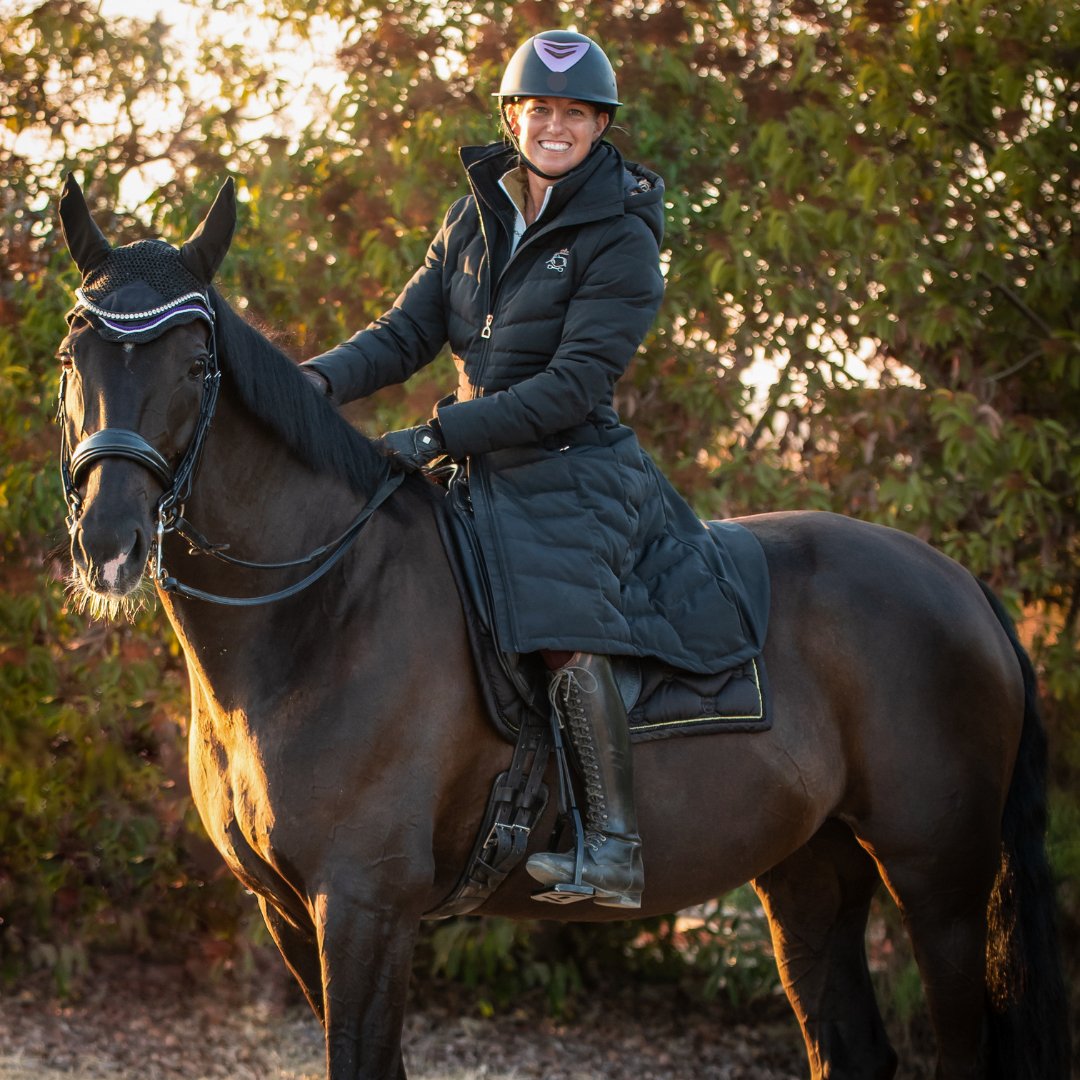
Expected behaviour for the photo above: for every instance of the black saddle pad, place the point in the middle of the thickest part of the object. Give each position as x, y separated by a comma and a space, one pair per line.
661, 701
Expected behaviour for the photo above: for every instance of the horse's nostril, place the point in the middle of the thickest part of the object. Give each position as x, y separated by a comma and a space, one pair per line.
109, 559
111, 569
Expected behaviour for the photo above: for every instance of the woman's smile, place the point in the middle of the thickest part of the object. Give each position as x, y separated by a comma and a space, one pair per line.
556, 134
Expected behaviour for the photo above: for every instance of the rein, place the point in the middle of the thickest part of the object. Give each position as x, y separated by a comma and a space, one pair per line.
339, 547
122, 443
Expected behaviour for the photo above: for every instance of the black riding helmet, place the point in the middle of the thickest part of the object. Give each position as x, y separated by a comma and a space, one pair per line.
559, 63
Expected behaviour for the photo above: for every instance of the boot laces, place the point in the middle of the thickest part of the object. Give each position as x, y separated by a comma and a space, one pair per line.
566, 696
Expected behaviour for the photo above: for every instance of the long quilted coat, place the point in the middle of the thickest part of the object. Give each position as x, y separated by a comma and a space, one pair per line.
586, 544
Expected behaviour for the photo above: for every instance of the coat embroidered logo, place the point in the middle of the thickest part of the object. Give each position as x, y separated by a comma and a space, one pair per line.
559, 261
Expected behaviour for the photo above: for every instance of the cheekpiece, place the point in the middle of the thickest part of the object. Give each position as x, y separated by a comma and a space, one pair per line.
139, 291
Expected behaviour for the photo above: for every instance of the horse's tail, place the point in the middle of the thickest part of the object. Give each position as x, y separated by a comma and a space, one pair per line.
1028, 1026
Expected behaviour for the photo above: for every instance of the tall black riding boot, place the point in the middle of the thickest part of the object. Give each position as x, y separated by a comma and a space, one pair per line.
587, 699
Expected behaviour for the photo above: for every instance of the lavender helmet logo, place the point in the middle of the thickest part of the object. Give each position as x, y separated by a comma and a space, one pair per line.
560, 55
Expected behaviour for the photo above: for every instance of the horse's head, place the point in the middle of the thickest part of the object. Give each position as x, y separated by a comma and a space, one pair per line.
138, 385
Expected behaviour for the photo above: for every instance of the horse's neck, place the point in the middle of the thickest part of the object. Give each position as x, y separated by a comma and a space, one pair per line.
253, 498
252, 493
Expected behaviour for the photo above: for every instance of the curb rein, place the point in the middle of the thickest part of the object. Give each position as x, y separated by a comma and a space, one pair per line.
122, 443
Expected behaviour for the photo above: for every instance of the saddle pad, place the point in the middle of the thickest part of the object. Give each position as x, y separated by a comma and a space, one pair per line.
661, 701
668, 702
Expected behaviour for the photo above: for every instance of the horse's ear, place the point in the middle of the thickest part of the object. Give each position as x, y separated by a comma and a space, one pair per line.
84, 239
205, 248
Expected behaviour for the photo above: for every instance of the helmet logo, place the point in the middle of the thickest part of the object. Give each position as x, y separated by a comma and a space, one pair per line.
560, 55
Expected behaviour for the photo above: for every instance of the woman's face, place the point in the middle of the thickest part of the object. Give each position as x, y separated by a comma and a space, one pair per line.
555, 133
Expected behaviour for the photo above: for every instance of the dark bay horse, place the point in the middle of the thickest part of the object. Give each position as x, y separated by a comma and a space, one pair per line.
341, 759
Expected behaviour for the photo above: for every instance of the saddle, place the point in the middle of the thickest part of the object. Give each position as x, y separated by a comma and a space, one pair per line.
661, 702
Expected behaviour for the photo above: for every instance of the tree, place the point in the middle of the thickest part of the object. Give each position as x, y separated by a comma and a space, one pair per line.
871, 253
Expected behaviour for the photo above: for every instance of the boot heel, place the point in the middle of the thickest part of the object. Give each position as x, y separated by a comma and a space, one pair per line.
626, 901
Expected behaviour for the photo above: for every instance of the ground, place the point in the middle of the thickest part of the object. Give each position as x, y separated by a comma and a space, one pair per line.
133, 1021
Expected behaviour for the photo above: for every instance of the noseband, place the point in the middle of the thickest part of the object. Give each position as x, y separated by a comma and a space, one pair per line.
116, 442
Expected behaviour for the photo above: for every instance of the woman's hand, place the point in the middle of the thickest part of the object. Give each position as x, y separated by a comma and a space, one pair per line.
414, 447
318, 378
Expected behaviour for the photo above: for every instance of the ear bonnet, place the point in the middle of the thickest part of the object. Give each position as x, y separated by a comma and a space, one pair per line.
139, 291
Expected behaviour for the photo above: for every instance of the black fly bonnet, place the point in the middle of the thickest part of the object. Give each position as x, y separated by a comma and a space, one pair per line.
134, 294
140, 291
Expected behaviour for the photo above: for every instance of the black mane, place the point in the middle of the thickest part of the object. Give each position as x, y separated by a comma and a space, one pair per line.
271, 386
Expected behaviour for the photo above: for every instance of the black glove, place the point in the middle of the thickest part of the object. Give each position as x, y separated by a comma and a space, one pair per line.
414, 447
317, 378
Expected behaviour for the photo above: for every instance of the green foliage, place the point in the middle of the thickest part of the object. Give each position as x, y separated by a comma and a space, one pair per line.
720, 950
871, 279
501, 960
731, 948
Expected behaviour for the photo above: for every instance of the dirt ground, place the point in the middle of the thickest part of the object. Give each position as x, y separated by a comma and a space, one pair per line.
153, 1023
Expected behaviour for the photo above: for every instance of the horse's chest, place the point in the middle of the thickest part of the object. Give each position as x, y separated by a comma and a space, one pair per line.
235, 798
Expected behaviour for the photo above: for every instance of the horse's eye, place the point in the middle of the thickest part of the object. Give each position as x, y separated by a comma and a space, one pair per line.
198, 369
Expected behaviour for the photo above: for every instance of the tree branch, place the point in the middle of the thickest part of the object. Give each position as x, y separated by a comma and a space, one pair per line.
778, 388
1031, 316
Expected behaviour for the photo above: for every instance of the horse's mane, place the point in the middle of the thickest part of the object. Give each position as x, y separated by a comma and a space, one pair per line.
271, 386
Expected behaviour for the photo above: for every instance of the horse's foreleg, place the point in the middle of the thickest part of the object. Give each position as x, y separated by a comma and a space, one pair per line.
300, 953
366, 949
818, 901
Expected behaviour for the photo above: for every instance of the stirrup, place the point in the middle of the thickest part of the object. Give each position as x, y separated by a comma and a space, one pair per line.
565, 893
570, 892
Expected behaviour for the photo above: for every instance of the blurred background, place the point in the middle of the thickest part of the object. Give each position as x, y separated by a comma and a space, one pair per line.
873, 307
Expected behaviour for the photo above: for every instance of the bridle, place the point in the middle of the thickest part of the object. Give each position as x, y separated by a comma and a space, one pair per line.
130, 445
122, 443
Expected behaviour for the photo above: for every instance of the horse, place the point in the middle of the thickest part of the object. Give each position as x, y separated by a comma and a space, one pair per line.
340, 754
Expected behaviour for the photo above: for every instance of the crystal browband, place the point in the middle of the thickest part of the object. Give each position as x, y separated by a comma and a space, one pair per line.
132, 315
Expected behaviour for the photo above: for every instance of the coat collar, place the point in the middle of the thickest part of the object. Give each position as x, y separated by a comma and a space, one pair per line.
599, 179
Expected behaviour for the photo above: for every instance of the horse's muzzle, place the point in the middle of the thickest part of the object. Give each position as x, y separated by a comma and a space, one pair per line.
112, 569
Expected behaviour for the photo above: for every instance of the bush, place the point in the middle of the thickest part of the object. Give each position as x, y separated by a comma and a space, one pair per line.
98, 836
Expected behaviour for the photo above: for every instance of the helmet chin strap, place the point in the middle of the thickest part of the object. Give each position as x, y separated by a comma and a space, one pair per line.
533, 168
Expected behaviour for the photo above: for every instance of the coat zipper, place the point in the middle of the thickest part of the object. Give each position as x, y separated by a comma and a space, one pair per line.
493, 287
485, 331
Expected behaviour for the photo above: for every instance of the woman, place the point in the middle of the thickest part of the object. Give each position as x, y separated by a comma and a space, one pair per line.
544, 280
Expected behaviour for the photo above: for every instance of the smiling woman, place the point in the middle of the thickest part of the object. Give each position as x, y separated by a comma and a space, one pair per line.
544, 281
555, 135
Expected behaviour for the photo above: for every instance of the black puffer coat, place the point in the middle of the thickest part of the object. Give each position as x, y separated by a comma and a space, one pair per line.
587, 545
